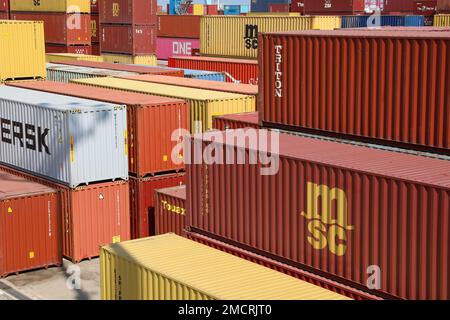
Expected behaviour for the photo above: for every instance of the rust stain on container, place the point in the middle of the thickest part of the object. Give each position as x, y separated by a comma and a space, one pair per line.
340, 210
142, 12
237, 121
128, 39
376, 86
170, 210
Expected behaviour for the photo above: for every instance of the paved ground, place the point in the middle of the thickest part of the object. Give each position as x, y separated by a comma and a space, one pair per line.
70, 282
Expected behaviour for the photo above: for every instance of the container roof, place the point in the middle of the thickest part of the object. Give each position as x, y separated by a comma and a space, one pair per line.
215, 273
175, 192
87, 70
242, 61
12, 186
250, 117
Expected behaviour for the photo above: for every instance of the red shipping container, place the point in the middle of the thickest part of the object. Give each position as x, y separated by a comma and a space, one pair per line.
345, 211
336, 7
236, 121
427, 8
92, 216
4, 5
279, 7
95, 49
61, 28
128, 39
55, 48
364, 90
151, 122
170, 210
211, 9
30, 225
94, 6
443, 6
409, 6
283, 268
240, 70
125, 67
142, 193
179, 26
4, 16
297, 6
95, 28
138, 12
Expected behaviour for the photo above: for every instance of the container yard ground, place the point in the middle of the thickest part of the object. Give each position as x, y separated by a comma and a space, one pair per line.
51, 284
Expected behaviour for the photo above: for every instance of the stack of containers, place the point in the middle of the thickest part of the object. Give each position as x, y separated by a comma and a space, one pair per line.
177, 35
128, 31
4, 9
78, 147
66, 23
95, 28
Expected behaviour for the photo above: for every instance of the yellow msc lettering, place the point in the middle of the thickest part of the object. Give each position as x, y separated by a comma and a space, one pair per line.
337, 240
318, 238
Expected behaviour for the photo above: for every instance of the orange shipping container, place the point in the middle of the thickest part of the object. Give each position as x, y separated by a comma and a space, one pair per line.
170, 210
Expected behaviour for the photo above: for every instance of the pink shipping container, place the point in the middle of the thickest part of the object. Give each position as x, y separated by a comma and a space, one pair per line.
167, 47
128, 39
136, 12
236, 121
334, 7
386, 87
170, 210
55, 48
240, 70
339, 210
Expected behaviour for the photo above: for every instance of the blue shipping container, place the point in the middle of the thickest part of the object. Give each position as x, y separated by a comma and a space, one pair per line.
263, 5
414, 21
381, 21
232, 9
245, 8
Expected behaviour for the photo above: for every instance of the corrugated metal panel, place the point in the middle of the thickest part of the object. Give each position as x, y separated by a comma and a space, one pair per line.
170, 210
442, 20
236, 70
336, 208
95, 28
70, 140
128, 39
29, 225
94, 6
149, 59
140, 12
263, 5
231, 9
443, 6
142, 193
204, 104
399, 98
59, 48
185, 275
52, 57
4, 5
198, 74
22, 53
326, 22
69, 6
167, 47
169, 26
237, 121
414, 21
341, 7
65, 73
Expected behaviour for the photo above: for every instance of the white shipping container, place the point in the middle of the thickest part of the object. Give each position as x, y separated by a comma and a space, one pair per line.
69, 140
65, 73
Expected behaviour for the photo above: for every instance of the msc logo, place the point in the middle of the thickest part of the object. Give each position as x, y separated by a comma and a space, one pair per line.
251, 36
115, 9
93, 28
325, 229
173, 208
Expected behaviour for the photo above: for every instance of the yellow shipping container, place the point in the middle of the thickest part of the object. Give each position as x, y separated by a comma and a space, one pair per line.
204, 104
53, 57
69, 6
22, 50
442, 20
326, 22
265, 14
198, 9
170, 267
148, 60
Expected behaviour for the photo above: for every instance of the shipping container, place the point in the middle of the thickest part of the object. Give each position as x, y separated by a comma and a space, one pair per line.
283, 268
442, 20
146, 59
443, 6
331, 7
169, 26
261, 6
65, 73
96, 49
273, 14
92, 215
128, 39
211, 9
409, 6
170, 210
142, 195
279, 7
297, 6
231, 9
124, 67
4, 15
30, 225
61, 28
246, 89
203, 104
179, 265
236, 121
236, 70
135, 12
56, 48
68, 140
198, 9
68, 6
339, 209
367, 21
95, 28
199, 74
167, 47
338, 91
4, 5
52, 57
151, 122
94, 6
22, 53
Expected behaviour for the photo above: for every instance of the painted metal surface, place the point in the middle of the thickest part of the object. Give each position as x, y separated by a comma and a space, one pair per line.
29, 225
128, 39
170, 210
334, 208
237, 121
52, 57
55, 48
139, 12
442, 20
4, 5
279, 7
203, 104
69, 140
167, 47
198, 74
151, 122
306, 88
326, 7
142, 195
169, 26
297, 6
231, 9
96, 49
263, 5
95, 28
4, 15
189, 270
94, 6
146, 59
61, 28
69, 6
366, 21
409, 6
443, 6
22, 53
238, 70
65, 73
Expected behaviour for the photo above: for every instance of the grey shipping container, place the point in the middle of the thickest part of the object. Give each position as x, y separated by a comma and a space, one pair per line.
65, 73
65, 139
